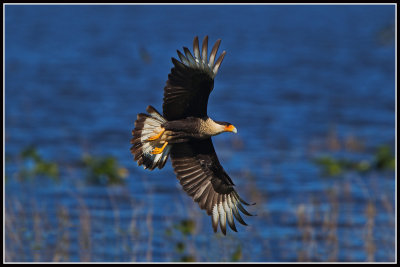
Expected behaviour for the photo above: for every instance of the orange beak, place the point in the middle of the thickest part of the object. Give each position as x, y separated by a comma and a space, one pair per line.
230, 128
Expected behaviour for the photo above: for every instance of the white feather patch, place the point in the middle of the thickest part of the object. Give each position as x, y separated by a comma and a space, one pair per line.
158, 117
156, 159
215, 215
165, 154
230, 203
225, 205
222, 216
228, 212
151, 122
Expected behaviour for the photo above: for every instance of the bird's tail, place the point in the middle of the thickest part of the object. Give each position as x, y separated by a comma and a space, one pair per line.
148, 146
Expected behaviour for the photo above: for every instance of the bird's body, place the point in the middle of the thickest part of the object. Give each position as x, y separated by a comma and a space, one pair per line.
184, 131
192, 128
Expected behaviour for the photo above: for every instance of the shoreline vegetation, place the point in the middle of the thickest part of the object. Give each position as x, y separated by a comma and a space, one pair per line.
31, 235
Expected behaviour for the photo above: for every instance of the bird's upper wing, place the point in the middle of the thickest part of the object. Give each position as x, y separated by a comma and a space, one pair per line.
191, 81
202, 177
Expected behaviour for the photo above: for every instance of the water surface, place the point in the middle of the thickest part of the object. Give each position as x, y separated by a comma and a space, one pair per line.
298, 82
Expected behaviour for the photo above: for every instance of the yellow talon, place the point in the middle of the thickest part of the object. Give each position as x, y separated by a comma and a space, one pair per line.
155, 137
159, 150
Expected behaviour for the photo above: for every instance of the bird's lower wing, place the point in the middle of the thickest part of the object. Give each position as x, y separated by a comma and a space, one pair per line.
202, 177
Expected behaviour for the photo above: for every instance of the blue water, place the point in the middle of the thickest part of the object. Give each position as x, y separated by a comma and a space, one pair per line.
76, 76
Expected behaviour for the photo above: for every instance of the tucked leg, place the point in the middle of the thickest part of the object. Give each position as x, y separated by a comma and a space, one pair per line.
155, 137
158, 150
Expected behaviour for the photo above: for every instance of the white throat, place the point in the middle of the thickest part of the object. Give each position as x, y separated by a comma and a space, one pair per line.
210, 127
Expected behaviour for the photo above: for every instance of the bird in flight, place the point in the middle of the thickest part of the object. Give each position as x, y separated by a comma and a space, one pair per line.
184, 131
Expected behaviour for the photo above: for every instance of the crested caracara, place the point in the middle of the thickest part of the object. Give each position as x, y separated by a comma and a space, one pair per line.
184, 131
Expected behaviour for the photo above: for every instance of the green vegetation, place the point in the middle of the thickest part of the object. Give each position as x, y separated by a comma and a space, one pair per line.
103, 170
317, 219
33, 165
100, 170
180, 234
186, 227
334, 167
383, 160
237, 254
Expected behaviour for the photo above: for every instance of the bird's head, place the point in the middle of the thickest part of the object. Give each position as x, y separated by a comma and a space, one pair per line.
211, 127
227, 127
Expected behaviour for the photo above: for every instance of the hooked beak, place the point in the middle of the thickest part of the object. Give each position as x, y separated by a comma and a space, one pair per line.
231, 128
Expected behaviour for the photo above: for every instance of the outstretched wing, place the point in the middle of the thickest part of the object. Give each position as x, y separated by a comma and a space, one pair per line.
202, 177
191, 81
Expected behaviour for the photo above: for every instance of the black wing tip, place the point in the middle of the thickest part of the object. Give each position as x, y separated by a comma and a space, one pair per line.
177, 64
241, 200
223, 228
174, 60
233, 227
